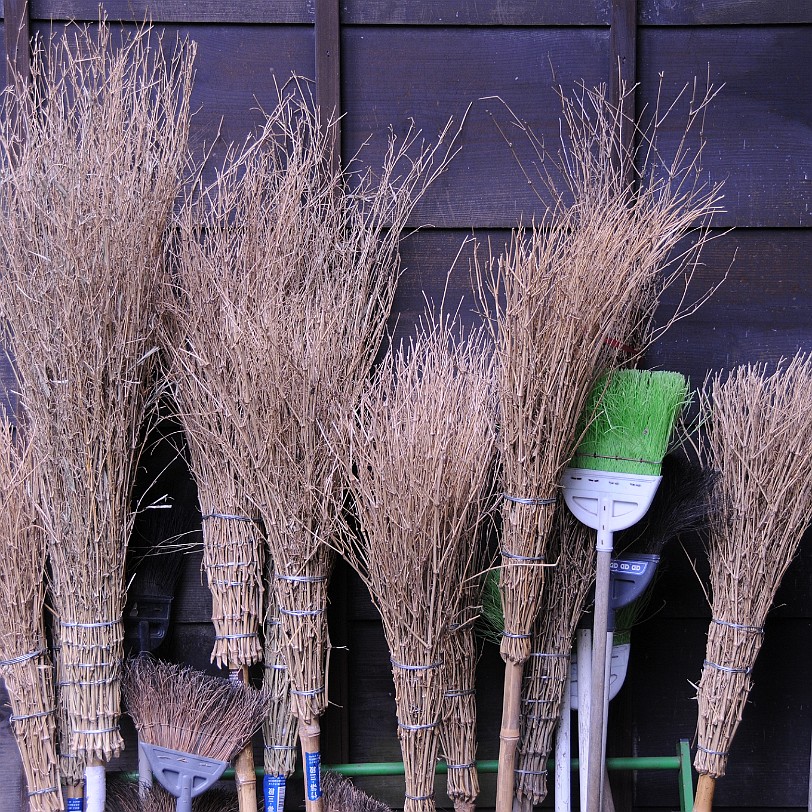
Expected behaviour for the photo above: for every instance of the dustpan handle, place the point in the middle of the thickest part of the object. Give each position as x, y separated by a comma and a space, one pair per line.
184, 803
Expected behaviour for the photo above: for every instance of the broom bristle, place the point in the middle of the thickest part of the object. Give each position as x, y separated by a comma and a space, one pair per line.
124, 796
183, 709
683, 504
631, 416
759, 437
341, 795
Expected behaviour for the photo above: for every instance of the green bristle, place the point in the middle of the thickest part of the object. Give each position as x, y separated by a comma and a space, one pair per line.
635, 412
491, 619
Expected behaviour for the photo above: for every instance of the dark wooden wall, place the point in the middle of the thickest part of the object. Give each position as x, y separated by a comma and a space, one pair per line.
428, 61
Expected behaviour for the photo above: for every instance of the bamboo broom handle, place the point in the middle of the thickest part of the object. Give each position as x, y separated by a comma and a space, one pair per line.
244, 775
74, 797
703, 802
509, 736
310, 737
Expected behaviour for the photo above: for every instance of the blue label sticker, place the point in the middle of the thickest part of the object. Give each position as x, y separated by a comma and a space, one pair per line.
274, 786
75, 804
313, 775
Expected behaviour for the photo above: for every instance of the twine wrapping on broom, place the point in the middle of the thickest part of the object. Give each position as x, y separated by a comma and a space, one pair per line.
758, 437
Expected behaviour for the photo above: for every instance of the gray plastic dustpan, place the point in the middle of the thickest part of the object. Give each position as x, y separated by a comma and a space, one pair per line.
183, 775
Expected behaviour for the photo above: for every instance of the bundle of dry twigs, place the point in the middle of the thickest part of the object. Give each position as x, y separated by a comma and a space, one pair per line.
341, 795
572, 551
566, 295
89, 175
421, 447
24, 662
458, 728
758, 437
286, 274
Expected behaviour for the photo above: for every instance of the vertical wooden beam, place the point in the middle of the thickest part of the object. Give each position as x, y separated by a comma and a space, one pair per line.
336, 735
623, 67
623, 77
17, 34
328, 69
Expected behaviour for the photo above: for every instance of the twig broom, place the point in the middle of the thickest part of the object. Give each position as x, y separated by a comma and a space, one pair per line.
759, 439
190, 724
421, 449
287, 272
548, 360
24, 662
86, 198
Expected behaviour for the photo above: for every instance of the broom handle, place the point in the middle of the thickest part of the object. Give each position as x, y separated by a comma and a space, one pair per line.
563, 775
583, 639
74, 797
599, 628
509, 735
244, 775
95, 786
310, 738
703, 802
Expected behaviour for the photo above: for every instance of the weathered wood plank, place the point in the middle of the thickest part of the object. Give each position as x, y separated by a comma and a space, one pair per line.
178, 11
16, 40
393, 76
758, 129
769, 758
441, 13
765, 168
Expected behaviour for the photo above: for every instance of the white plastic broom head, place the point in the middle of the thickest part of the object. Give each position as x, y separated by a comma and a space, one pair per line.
608, 502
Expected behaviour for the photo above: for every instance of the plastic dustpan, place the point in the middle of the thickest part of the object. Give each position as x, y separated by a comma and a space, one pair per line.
608, 502
146, 622
183, 775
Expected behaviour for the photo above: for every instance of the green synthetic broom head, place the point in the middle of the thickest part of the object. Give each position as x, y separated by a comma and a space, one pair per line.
631, 416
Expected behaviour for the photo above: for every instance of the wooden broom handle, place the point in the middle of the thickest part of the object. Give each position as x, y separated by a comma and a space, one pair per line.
703, 802
310, 738
509, 736
245, 777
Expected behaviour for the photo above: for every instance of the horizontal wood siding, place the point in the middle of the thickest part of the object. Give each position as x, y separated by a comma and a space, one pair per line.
426, 62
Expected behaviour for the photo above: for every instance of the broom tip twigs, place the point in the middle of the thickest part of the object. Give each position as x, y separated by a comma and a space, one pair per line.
758, 437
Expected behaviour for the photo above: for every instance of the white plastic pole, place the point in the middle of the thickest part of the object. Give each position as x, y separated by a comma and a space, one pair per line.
95, 787
563, 775
584, 652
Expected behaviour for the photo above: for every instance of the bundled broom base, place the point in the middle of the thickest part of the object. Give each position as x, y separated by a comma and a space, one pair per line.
30, 686
725, 684
458, 730
232, 559
419, 701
